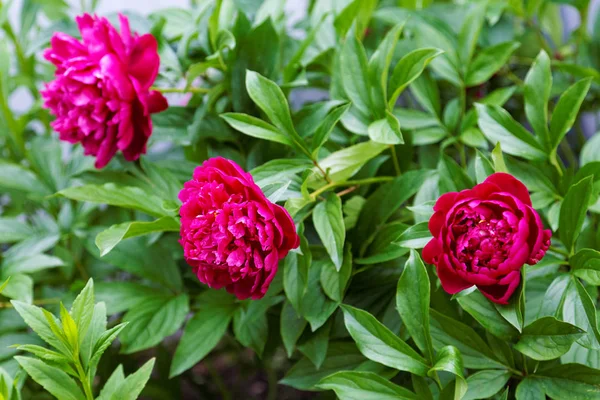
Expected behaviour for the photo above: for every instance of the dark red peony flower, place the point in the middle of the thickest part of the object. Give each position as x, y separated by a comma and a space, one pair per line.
483, 236
231, 234
101, 96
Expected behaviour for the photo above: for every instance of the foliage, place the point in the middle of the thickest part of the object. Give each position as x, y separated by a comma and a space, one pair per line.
414, 100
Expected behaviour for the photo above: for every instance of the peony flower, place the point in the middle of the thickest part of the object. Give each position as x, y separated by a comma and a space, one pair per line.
483, 237
101, 96
231, 235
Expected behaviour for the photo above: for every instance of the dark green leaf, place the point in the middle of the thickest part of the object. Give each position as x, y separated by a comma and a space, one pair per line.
566, 110
538, 84
488, 62
449, 359
547, 338
573, 211
329, 223
484, 311
255, 127
359, 385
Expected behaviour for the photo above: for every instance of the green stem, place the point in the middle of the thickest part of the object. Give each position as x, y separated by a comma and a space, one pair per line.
85, 382
39, 302
272, 380
395, 160
559, 251
218, 380
358, 182
181, 90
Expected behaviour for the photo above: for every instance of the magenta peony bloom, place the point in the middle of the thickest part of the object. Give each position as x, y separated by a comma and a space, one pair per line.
483, 236
101, 96
231, 234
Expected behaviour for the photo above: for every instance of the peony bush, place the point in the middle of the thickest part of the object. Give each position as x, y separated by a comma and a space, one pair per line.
368, 200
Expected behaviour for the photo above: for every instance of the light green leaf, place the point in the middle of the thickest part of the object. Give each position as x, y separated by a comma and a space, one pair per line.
291, 326
14, 230
579, 309
586, 265
82, 310
485, 384
469, 31
18, 178
344, 163
295, 272
109, 238
355, 73
381, 345
333, 281
324, 129
386, 130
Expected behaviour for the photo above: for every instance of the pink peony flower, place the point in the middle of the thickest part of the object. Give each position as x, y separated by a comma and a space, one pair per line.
231, 234
101, 96
483, 236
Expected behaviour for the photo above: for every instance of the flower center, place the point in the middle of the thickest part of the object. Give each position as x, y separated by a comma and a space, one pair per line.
482, 242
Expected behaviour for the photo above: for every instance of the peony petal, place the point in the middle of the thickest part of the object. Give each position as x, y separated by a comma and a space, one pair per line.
508, 183
501, 292
451, 282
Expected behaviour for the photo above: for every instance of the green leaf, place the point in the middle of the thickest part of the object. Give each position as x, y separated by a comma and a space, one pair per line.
57, 382
485, 384
269, 98
109, 238
315, 347
18, 287
452, 177
251, 326
386, 130
355, 73
486, 314
571, 381
538, 84
16, 177
340, 356
488, 61
530, 388
344, 163
280, 170
483, 167
412, 302
586, 265
37, 321
324, 129
119, 196
291, 326
111, 385
361, 385
316, 307
498, 159
295, 272
4, 284
469, 31
385, 201
14, 230
201, 334
30, 264
573, 210
498, 126
409, 68
82, 310
152, 321
381, 345
449, 359
547, 338
566, 110
103, 342
579, 309
378, 69
333, 281
255, 127
329, 224
591, 150
133, 385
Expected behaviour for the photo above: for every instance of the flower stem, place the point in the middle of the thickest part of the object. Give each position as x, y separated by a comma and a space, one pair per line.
395, 160
181, 90
358, 182
36, 302
85, 382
